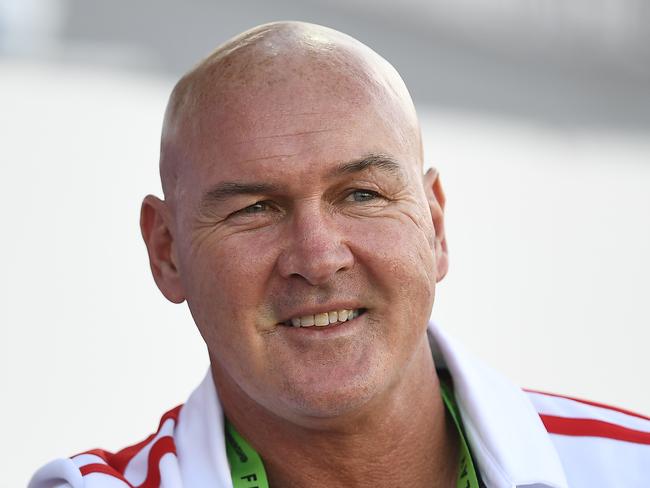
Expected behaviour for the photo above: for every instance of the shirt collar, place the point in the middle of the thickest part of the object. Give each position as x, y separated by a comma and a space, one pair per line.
508, 440
200, 441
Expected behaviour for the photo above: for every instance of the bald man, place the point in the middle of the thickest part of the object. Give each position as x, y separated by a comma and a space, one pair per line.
299, 228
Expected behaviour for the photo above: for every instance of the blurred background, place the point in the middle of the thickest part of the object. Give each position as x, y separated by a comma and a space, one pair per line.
536, 113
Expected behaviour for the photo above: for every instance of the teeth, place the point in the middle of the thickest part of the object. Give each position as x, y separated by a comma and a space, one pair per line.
323, 319
307, 321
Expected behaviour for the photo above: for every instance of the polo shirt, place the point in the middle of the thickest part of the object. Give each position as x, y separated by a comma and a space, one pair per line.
517, 439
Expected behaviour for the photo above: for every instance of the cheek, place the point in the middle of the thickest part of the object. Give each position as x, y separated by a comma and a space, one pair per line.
225, 282
232, 266
398, 254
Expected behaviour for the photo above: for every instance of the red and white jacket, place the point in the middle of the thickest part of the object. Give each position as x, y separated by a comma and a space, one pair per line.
518, 439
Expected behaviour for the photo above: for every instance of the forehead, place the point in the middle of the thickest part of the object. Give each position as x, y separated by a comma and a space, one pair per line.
294, 114
297, 126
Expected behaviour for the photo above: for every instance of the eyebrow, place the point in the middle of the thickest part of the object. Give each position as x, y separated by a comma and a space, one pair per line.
381, 162
226, 189
222, 191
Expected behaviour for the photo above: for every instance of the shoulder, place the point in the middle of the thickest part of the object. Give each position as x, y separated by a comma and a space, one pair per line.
141, 464
599, 445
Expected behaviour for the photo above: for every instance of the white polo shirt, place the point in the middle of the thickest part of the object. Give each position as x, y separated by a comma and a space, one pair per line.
518, 439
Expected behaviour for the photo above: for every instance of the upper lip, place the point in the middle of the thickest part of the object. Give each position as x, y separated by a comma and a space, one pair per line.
321, 309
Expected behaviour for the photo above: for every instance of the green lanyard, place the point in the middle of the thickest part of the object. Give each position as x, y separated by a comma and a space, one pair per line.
466, 472
247, 469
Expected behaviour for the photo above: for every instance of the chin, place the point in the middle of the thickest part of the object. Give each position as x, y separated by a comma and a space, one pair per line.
329, 399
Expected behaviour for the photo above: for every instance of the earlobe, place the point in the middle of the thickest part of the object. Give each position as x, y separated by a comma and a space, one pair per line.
436, 199
154, 225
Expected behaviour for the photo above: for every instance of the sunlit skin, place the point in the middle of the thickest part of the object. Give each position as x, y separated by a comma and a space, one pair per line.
291, 165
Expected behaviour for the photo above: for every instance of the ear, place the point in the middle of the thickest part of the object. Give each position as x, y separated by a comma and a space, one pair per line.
436, 199
155, 221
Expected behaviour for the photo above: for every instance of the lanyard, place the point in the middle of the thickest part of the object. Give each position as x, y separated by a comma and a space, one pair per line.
247, 469
466, 472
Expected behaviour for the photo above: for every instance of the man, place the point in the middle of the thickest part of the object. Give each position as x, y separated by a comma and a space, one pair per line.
297, 225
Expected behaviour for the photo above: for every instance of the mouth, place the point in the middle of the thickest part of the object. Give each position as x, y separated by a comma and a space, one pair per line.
324, 319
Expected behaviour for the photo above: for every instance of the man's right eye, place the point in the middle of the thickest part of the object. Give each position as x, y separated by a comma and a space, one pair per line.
363, 195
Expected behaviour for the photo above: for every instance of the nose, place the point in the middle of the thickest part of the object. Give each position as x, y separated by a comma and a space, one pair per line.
316, 250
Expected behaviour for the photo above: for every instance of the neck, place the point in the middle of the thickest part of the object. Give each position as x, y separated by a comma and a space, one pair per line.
404, 439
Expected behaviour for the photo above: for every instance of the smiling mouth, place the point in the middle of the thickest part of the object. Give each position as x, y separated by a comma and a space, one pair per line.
325, 319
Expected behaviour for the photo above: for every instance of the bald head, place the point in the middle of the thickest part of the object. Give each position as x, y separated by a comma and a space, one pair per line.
278, 69
292, 169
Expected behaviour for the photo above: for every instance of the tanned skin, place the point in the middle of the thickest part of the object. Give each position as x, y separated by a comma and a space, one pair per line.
291, 164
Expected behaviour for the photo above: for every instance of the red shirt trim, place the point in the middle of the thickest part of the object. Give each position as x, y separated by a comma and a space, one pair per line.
116, 463
593, 428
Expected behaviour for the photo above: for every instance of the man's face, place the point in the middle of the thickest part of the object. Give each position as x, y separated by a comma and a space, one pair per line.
306, 199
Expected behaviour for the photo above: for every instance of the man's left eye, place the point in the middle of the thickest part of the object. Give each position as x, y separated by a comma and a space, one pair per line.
257, 207
364, 195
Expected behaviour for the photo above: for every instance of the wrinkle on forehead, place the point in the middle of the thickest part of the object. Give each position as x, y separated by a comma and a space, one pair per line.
325, 62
